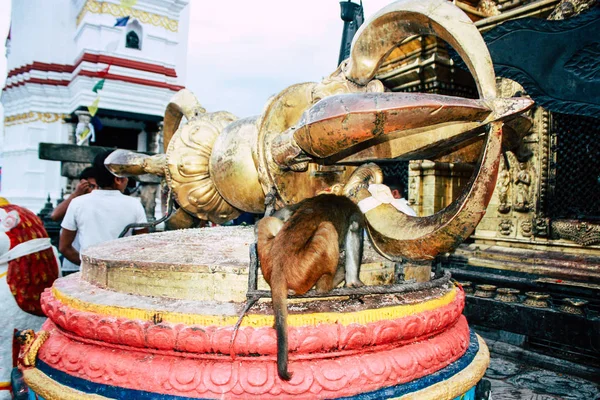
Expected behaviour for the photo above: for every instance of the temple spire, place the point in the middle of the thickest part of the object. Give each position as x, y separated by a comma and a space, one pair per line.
353, 17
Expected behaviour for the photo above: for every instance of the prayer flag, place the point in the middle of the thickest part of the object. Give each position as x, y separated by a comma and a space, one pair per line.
83, 135
98, 86
128, 3
97, 124
93, 108
103, 73
87, 133
122, 21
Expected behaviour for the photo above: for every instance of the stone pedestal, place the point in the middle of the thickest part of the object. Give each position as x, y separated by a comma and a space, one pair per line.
153, 316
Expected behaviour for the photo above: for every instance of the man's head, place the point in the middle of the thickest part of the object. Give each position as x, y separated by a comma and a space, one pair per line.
89, 175
395, 186
104, 178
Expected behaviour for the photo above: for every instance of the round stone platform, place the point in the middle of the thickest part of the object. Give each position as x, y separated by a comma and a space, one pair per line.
110, 339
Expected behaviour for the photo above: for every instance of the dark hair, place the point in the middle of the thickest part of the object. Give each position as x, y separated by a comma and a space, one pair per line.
394, 183
89, 172
104, 178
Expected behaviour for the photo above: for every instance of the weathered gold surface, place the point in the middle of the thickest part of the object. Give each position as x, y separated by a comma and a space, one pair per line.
340, 122
402, 19
217, 168
233, 166
187, 173
283, 112
183, 104
128, 163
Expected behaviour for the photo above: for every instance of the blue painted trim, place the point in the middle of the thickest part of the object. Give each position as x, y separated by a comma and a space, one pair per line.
113, 392
120, 393
422, 383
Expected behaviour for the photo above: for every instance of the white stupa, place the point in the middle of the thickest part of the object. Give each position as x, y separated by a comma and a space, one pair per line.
57, 51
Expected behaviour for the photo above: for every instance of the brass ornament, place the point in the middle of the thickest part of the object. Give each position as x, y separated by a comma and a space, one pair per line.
312, 137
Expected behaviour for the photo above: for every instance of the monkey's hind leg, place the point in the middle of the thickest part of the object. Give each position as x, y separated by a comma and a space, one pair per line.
339, 276
324, 284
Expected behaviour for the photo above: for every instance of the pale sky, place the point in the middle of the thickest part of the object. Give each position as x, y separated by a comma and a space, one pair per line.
241, 52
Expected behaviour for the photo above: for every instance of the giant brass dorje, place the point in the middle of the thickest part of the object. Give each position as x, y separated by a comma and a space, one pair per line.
312, 137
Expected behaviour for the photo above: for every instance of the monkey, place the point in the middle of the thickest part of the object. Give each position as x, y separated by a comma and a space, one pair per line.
299, 247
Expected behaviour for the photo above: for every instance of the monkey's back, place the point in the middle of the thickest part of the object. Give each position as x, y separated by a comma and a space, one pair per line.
307, 247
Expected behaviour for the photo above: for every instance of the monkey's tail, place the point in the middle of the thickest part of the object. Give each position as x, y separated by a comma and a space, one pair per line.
266, 230
279, 296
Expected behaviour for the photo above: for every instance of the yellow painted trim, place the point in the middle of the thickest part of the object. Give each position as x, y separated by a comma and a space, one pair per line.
4, 385
116, 10
255, 320
33, 116
459, 383
49, 389
2, 275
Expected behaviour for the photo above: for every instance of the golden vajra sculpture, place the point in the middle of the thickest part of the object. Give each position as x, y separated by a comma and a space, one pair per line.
315, 137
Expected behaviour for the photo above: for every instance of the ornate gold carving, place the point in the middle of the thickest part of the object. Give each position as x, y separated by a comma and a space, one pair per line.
507, 295
522, 189
505, 227
188, 173
541, 227
33, 116
101, 7
526, 228
536, 299
581, 232
485, 8
49, 389
503, 186
570, 8
30, 345
547, 161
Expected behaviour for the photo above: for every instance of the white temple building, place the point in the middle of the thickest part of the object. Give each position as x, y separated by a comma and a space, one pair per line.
57, 51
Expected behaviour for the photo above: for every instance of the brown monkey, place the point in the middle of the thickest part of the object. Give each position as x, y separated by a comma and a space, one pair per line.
298, 247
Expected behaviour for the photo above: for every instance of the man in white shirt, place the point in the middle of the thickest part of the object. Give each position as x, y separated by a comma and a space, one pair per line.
101, 215
400, 202
87, 183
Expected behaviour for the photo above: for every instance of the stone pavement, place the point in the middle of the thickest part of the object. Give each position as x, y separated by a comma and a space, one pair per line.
515, 381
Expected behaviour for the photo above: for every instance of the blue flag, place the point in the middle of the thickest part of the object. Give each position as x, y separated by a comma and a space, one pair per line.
122, 21
96, 124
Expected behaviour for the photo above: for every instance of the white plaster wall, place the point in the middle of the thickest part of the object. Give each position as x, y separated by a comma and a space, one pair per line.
45, 31
27, 180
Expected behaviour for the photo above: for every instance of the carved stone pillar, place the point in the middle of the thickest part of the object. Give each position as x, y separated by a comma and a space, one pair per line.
71, 139
70, 126
160, 138
434, 185
152, 141
84, 119
518, 196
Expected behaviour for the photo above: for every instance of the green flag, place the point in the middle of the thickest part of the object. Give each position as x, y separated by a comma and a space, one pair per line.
98, 86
